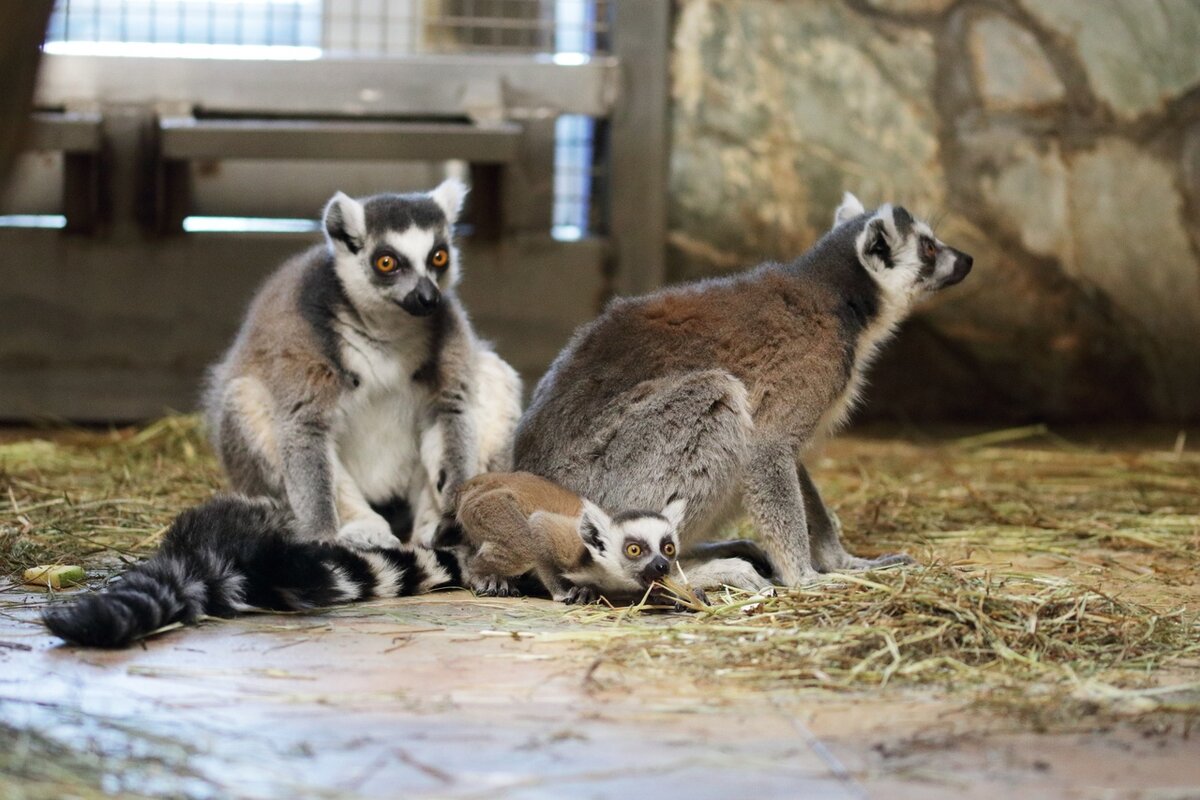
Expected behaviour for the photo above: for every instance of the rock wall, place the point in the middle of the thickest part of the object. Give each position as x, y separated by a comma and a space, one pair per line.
1058, 141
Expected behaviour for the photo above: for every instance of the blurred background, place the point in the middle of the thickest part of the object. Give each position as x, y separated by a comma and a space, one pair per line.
178, 150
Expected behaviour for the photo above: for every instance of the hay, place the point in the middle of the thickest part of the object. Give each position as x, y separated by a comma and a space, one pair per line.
1060, 581
71, 494
955, 629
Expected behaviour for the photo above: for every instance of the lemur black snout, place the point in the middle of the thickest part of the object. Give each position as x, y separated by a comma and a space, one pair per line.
962, 265
657, 568
423, 299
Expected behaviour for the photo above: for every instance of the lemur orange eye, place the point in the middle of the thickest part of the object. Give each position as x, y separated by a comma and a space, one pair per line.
633, 550
928, 250
669, 550
440, 258
385, 263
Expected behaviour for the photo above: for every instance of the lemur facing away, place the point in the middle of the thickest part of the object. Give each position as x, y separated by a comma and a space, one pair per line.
717, 388
516, 523
353, 357
233, 554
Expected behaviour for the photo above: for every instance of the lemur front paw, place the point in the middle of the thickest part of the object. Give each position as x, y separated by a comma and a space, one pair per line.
368, 532
492, 586
579, 595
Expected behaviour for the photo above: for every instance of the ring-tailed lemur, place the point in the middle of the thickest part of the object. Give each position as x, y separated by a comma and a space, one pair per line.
510, 524
233, 554
353, 357
715, 389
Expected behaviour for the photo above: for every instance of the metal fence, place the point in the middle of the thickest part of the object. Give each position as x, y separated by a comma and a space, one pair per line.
344, 27
568, 30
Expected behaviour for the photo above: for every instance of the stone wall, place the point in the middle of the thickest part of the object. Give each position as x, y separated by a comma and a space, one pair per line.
1058, 141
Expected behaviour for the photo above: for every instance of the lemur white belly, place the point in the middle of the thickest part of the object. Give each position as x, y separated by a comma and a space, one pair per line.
378, 431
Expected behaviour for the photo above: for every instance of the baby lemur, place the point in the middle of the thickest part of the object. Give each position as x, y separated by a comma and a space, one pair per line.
716, 389
353, 357
511, 524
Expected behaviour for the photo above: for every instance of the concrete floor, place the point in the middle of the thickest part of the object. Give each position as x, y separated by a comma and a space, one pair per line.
448, 696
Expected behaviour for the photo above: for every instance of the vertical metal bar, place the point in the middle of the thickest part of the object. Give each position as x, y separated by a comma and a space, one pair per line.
639, 145
356, 22
385, 40
22, 27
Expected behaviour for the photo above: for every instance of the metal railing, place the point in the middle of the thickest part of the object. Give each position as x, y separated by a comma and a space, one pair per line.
344, 27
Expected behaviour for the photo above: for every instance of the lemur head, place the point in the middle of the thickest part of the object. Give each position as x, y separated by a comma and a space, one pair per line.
900, 252
630, 550
394, 250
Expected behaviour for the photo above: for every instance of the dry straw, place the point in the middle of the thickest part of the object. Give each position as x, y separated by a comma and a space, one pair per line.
1058, 580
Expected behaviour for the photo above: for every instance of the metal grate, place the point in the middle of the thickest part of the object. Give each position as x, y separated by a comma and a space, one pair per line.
578, 177
344, 27
570, 30
287, 23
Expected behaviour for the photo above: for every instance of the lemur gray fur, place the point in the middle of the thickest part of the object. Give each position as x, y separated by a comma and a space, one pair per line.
511, 524
716, 389
355, 357
233, 554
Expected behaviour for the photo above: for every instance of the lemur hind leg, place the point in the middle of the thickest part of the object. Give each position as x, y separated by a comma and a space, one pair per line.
681, 436
494, 566
486, 572
286, 457
242, 430
824, 534
772, 496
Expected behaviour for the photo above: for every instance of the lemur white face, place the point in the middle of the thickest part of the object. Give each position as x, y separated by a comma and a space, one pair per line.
632, 549
901, 252
396, 251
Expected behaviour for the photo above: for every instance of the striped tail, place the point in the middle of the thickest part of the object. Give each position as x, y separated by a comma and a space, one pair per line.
233, 554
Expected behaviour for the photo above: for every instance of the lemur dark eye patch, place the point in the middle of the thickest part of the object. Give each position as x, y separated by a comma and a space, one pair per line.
928, 249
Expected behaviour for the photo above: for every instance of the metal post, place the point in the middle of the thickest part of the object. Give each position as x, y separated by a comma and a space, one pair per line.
639, 145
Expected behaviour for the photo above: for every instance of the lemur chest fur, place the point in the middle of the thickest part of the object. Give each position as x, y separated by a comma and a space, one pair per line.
378, 423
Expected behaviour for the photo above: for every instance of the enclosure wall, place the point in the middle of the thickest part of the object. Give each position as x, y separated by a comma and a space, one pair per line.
1056, 140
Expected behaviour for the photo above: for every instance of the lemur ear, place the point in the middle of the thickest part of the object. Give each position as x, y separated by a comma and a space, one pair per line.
593, 523
875, 242
674, 511
902, 221
850, 208
450, 195
345, 223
